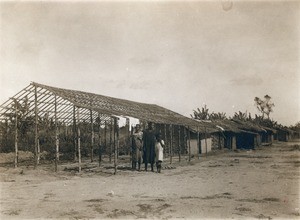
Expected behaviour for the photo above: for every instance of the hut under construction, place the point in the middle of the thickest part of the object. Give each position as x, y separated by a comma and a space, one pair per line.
71, 124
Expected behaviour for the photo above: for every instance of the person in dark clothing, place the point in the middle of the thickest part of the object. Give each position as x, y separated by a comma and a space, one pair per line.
149, 146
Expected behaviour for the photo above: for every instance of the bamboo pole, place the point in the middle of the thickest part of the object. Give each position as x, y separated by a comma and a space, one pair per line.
78, 140
131, 145
105, 134
110, 139
56, 135
189, 137
205, 142
171, 143
16, 136
165, 134
179, 143
185, 139
74, 133
38, 149
36, 144
116, 133
92, 136
128, 133
114, 138
198, 143
100, 150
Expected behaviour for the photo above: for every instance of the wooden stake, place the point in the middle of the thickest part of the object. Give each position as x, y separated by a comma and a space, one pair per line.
74, 133
105, 135
198, 143
100, 153
189, 137
39, 151
56, 135
205, 142
92, 138
110, 139
131, 145
128, 133
179, 143
16, 135
36, 144
78, 140
185, 139
171, 143
116, 131
165, 134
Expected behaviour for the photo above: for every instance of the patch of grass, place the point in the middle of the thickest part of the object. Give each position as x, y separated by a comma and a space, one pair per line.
225, 195
251, 200
119, 213
218, 196
215, 165
261, 216
96, 200
251, 156
243, 209
271, 199
164, 206
13, 212
159, 200
190, 197
96, 208
145, 207
260, 200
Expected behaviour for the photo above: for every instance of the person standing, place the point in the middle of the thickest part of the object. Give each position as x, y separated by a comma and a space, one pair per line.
137, 147
159, 152
149, 146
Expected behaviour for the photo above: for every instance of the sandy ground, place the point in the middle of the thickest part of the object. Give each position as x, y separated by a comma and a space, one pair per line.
258, 184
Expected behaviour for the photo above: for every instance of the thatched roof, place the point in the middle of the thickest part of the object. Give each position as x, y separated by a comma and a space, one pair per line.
226, 125
248, 126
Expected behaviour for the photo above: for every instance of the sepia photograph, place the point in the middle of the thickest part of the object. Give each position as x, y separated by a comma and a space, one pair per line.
155, 109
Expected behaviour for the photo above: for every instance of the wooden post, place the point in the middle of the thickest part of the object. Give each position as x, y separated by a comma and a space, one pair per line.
16, 135
205, 142
116, 133
36, 144
38, 149
105, 135
171, 143
198, 143
74, 133
78, 140
131, 145
100, 150
56, 134
110, 139
179, 143
165, 134
114, 139
185, 139
128, 145
189, 137
92, 136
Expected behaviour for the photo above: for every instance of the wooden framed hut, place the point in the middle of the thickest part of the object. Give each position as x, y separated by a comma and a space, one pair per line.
284, 134
45, 118
201, 138
268, 136
250, 136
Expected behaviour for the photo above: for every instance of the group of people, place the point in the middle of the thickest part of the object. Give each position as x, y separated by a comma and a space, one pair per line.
147, 148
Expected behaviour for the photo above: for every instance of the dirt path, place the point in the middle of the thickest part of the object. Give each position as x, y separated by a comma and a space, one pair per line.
248, 184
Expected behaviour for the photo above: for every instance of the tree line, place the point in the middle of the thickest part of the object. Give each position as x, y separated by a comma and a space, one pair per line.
265, 107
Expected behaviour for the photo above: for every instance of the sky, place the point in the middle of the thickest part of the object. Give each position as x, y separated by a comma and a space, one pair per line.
178, 54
